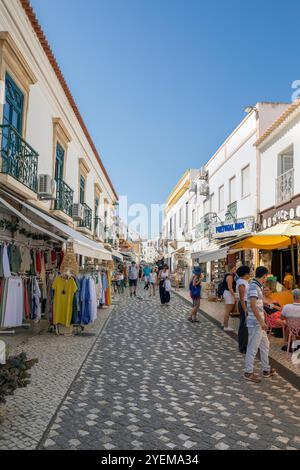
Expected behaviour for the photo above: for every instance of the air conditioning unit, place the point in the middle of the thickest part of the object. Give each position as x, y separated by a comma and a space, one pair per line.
204, 189
46, 187
77, 211
203, 174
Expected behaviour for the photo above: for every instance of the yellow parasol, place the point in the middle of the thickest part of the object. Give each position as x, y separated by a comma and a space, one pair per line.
281, 235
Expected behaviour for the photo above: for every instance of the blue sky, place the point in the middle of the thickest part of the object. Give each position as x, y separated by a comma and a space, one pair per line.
161, 83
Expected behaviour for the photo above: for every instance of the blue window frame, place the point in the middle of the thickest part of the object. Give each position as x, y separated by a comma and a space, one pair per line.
14, 103
59, 162
82, 189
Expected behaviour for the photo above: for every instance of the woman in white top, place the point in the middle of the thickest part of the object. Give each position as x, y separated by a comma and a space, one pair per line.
243, 273
163, 274
153, 280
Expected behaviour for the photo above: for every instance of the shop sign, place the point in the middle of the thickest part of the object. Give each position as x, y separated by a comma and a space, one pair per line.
281, 216
232, 228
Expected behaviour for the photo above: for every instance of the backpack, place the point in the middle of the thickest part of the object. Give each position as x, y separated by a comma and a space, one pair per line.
222, 286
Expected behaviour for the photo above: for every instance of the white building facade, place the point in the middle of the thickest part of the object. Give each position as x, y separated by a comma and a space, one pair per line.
279, 149
48, 157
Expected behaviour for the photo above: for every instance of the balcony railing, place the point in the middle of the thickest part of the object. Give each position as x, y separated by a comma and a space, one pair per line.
87, 217
203, 229
64, 197
99, 228
231, 211
285, 187
18, 158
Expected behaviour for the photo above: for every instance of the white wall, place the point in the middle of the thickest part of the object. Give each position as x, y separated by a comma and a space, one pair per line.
47, 101
269, 159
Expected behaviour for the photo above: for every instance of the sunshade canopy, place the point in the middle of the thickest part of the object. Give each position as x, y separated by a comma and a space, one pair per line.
279, 236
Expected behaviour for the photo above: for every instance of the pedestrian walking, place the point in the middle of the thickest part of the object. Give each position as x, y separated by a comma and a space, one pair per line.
257, 329
229, 286
132, 277
146, 273
163, 274
153, 281
140, 273
242, 284
167, 286
195, 293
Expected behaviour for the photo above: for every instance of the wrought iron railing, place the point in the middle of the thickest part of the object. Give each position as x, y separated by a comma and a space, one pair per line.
64, 197
99, 228
203, 229
285, 187
231, 213
18, 158
87, 217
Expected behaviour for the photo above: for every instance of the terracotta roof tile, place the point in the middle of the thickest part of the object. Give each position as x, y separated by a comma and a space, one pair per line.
45, 45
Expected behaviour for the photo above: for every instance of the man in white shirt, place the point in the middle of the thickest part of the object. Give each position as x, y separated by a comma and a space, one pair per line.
292, 310
133, 277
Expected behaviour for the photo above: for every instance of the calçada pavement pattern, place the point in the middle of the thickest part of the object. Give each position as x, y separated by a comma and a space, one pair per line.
155, 381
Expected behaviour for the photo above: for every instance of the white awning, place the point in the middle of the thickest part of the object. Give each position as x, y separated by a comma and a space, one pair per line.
13, 210
116, 254
210, 255
82, 244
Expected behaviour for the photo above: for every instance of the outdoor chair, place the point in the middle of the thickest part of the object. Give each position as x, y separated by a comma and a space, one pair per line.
271, 324
293, 328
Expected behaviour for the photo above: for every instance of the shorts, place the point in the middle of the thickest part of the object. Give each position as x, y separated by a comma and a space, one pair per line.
227, 296
132, 282
146, 278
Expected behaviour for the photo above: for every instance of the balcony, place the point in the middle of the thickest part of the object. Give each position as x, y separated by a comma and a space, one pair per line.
64, 198
18, 159
285, 187
99, 228
203, 229
231, 213
86, 222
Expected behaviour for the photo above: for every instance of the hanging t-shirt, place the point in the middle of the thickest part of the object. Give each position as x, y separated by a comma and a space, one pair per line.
38, 262
26, 259
5, 262
15, 259
64, 290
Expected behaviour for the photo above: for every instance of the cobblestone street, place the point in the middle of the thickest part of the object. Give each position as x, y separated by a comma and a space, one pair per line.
155, 381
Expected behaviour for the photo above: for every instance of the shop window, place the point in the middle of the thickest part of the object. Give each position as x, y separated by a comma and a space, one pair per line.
246, 181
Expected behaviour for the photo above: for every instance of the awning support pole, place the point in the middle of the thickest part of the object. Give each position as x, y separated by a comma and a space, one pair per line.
293, 262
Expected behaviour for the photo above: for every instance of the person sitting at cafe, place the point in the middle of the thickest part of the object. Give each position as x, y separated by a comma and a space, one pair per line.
271, 306
292, 311
288, 278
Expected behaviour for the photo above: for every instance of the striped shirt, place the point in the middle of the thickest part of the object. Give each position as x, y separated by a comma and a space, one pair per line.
255, 292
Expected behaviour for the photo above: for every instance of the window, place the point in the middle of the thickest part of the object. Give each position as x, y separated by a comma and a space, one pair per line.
212, 203
180, 217
221, 198
59, 162
175, 226
206, 205
96, 206
286, 161
232, 190
186, 212
82, 190
13, 108
193, 218
246, 181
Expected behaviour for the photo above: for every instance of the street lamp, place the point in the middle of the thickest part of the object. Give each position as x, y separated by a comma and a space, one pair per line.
248, 109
